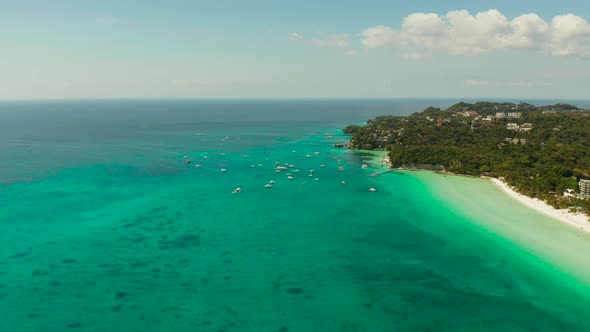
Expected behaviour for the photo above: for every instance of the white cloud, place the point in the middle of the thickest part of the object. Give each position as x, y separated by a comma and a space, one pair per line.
295, 36
480, 83
415, 55
459, 32
379, 36
331, 41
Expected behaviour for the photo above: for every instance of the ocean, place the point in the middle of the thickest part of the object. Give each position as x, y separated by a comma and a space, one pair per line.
104, 227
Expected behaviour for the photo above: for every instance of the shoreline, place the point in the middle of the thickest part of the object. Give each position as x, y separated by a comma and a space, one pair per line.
578, 220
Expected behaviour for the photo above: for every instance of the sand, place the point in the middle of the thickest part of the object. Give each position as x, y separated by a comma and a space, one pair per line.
578, 220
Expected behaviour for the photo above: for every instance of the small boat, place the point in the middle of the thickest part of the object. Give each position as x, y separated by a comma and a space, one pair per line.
272, 181
187, 161
252, 166
291, 166
364, 166
289, 177
322, 165
316, 179
205, 157
343, 182
260, 165
372, 190
316, 153
277, 163
340, 168
280, 168
310, 175
294, 151
311, 171
295, 170
308, 156
197, 165
268, 185
237, 191
224, 170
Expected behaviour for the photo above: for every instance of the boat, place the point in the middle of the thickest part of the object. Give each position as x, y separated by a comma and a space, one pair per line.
224, 170
372, 190
237, 191
252, 166
268, 185
272, 181
340, 168
277, 163
187, 161
343, 182
316, 153
364, 166
289, 177
308, 156
291, 166
322, 165
198, 165
316, 179
260, 165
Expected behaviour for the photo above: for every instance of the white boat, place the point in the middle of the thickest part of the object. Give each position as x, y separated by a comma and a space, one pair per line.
291, 166
237, 191
316, 179
311, 171
277, 163
322, 165
260, 165
343, 182
340, 168
308, 156
272, 181
280, 168
268, 185
289, 177
224, 170
252, 166
197, 165
372, 190
316, 153
364, 166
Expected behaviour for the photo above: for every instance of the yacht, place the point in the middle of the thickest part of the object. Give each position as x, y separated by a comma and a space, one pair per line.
237, 191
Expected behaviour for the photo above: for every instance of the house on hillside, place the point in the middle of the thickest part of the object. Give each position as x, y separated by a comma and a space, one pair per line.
526, 127
514, 115
500, 115
512, 126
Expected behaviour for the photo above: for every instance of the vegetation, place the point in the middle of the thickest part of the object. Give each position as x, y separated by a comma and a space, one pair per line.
474, 139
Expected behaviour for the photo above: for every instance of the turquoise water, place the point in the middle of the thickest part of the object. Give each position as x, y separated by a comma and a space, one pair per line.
103, 228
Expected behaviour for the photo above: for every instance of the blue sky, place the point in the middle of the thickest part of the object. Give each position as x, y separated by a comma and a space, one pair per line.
294, 49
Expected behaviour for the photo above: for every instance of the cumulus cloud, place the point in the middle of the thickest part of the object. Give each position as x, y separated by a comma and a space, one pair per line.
460, 32
379, 36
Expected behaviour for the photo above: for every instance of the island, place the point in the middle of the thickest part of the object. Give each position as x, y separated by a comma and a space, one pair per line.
541, 152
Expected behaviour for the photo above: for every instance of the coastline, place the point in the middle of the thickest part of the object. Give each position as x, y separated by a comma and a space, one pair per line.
578, 220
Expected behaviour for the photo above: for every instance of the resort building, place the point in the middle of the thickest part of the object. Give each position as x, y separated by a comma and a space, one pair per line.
514, 115
584, 188
526, 127
569, 193
512, 126
500, 115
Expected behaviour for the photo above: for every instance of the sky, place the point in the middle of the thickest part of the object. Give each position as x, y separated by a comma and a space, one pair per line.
58, 49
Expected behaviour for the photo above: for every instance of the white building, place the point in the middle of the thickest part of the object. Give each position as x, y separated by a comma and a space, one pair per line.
512, 126
514, 115
500, 115
526, 127
584, 187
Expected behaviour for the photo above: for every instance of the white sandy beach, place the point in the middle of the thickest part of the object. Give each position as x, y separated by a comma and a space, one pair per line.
578, 220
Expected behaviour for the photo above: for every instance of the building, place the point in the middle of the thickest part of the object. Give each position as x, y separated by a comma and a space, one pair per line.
569, 193
526, 127
512, 126
584, 188
470, 113
500, 115
514, 115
